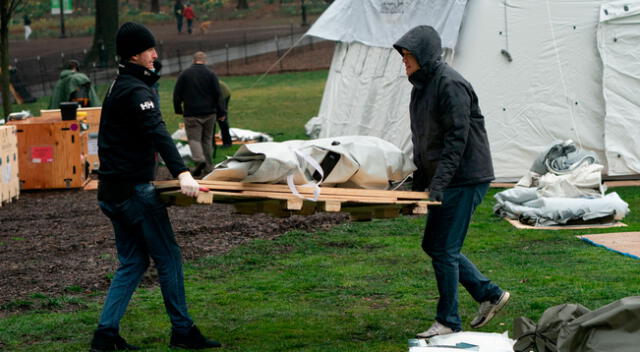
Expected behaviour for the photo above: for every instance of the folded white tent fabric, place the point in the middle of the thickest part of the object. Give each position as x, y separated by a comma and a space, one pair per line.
237, 134
526, 205
348, 161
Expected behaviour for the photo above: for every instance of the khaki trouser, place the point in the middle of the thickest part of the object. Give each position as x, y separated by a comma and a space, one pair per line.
200, 131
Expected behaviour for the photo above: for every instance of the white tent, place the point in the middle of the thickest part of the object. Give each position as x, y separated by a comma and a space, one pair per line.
543, 70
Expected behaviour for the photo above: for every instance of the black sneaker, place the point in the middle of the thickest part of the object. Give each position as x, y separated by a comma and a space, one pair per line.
192, 340
105, 342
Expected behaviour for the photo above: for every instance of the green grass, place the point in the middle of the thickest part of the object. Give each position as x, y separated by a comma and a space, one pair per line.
357, 287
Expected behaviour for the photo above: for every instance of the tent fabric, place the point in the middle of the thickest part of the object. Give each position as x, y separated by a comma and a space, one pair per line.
380, 23
527, 206
363, 162
543, 71
367, 92
618, 37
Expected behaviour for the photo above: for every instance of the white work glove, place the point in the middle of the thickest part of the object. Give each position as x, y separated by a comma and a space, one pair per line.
188, 186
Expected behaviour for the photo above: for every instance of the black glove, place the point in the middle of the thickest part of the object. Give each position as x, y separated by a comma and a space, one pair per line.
157, 66
436, 196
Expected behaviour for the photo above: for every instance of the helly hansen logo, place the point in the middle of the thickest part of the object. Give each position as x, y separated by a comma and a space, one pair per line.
147, 105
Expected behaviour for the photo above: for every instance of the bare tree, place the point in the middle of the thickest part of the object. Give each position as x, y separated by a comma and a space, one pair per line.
7, 9
155, 6
242, 5
103, 49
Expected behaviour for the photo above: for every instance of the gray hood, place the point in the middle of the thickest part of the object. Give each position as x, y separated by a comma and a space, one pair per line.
424, 43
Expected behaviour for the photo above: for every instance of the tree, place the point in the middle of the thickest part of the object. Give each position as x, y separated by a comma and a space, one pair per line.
7, 9
155, 6
242, 5
103, 49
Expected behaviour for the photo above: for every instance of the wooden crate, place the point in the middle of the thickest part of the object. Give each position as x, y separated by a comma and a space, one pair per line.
9, 183
92, 118
51, 153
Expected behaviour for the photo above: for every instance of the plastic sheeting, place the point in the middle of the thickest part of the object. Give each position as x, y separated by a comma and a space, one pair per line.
367, 92
567, 64
618, 43
364, 162
381, 23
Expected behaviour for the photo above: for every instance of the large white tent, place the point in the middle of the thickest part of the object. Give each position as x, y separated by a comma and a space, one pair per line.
543, 70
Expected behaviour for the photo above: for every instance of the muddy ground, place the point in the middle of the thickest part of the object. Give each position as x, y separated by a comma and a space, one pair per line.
55, 243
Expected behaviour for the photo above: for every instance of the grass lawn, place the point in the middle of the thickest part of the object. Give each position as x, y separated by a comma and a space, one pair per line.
358, 287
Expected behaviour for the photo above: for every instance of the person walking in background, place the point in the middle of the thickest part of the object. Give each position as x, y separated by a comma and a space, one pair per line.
197, 96
451, 152
27, 27
131, 132
189, 15
223, 122
177, 11
73, 85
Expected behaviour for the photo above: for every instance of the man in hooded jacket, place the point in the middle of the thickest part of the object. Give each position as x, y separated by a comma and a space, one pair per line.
451, 152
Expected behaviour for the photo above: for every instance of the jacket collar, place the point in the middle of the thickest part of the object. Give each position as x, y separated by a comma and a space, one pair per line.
142, 73
421, 77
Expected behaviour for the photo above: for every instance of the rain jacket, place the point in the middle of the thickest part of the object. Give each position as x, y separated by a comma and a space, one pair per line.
450, 144
71, 81
131, 132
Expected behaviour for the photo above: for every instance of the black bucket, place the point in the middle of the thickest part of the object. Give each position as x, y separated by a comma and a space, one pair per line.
68, 110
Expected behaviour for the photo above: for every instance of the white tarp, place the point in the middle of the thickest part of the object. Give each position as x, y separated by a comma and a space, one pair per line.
363, 162
367, 92
619, 46
381, 23
551, 90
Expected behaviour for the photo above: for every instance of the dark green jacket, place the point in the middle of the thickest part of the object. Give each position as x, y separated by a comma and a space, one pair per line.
69, 82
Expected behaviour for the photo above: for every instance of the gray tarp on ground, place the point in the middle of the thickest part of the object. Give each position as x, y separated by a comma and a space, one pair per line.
364, 162
574, 328
526, 205
563, 185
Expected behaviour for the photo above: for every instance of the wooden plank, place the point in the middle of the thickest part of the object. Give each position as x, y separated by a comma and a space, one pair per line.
267, 187
177, 198
517, 224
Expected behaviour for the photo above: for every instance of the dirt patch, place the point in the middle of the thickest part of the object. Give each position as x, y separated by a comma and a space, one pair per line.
59, 242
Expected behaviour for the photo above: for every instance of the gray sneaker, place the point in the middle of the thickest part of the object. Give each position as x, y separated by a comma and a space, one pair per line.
488, 310
435, 329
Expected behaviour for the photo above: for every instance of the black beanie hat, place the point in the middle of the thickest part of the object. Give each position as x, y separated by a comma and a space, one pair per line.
132, 39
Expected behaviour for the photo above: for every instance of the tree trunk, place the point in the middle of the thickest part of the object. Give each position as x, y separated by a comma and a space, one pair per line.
155, 6
242, 5
7, 8
103, 50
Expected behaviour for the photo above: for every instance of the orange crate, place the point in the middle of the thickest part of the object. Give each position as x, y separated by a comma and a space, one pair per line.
52, 153
93, 119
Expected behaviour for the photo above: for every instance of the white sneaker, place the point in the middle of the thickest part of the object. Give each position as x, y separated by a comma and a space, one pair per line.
488, 310
435, 329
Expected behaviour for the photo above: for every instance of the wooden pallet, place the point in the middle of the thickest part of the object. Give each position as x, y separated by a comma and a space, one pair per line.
277, 200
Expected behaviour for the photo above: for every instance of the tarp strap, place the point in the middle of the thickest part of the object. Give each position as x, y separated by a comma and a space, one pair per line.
315, 185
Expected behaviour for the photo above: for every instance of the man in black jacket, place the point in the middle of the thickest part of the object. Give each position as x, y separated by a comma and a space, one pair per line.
451, 152
198, 90
131, 132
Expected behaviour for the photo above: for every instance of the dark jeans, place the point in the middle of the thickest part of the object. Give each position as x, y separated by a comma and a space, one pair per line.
142, 230
189, 25
444, 236
224, 127
179, 23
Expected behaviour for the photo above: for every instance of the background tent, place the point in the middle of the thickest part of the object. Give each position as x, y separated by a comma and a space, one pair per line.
543, 70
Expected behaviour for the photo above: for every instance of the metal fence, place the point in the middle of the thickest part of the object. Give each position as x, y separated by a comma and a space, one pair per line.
40, 74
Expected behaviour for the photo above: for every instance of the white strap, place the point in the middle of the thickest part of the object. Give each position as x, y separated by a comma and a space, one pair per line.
315, 185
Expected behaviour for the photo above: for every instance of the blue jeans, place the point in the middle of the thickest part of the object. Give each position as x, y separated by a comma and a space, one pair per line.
142, 230
444, 236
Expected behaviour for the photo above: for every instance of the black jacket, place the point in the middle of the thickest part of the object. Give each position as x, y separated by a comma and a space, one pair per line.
197, 93
131, 132
450, 144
